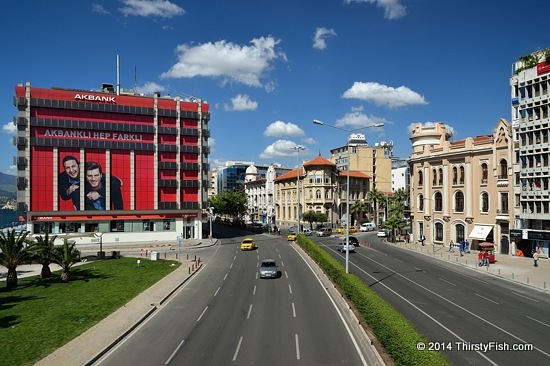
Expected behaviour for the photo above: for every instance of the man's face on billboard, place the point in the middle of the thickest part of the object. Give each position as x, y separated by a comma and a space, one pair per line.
94, 178
71, 168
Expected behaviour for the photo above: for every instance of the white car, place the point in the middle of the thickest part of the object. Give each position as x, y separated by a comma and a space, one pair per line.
382, 233
367, 226
342, 247
307, 232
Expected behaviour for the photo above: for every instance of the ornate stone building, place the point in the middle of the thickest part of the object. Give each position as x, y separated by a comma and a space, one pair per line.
462, 189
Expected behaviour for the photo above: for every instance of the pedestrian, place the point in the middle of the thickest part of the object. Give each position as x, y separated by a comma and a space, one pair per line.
480, 259
536, 259
466, 246
422, 238
461, 248
275, 229
451, 246
279, 230
486, 258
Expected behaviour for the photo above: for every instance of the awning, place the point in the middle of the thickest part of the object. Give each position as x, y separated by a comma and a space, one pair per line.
480, 232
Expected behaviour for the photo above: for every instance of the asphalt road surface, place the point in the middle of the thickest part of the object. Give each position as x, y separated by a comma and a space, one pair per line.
472, 318
226, 315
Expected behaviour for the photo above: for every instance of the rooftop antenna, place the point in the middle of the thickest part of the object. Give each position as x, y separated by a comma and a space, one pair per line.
117, 74
135, 77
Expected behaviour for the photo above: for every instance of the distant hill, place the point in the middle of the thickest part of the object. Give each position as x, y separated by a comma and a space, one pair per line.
8, 189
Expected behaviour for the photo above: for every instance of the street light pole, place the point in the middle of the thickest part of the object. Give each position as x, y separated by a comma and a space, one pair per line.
298, 148
348, 131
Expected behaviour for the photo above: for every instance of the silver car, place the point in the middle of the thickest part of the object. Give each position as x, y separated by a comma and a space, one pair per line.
342, 247
268, 269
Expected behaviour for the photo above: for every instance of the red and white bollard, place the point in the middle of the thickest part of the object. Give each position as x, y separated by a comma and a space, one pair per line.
141, 252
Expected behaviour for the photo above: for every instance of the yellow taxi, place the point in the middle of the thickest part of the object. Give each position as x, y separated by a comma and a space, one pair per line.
352, 230
248, 244
341, 230
291, 237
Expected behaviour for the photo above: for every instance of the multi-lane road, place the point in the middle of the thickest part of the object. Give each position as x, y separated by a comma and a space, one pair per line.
470, 316
226, 315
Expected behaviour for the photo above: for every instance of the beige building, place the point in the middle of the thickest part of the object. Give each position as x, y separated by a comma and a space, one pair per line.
461, 189
322, 189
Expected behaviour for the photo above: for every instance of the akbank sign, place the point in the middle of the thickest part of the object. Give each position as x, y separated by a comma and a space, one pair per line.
94, 98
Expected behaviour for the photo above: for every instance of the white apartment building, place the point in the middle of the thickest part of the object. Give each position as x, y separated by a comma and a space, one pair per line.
530, 97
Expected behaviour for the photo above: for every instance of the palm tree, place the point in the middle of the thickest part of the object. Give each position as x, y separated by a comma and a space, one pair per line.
13, 253
65, 256
373, 197
42, 250
359, 207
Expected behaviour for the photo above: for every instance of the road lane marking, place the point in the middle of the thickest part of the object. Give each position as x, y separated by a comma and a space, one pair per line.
297, 347
289, 288
231, 266
249, 310
282, 263
538, 321
483, 297
525, 297
399, 260
237, 350
293, 311
286, 274
174, 353
204, 311
225, 276
254, 291
235, 257
218, 290
450, 302
449, 282
279, 255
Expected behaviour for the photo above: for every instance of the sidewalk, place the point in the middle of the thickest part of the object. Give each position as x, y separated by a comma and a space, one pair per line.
517, 269
96, 341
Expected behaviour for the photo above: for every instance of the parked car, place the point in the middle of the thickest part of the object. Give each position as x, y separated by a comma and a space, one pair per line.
291, 237
248, 244
382, 233
307, 232
292, 229
367, 226
268, 269
342, 247
324, 232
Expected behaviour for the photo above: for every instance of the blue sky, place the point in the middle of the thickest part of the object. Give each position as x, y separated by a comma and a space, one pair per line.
268, 68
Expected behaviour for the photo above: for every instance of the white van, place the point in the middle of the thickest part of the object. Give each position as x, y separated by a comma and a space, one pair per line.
367, 226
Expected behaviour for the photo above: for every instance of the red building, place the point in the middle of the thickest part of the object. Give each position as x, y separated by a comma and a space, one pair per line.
121, 164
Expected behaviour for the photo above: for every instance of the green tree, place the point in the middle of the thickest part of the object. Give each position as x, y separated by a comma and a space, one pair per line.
232, 203
374, 197
311, 217
358, 207
66, 256
13, 253
42, 249
321, 217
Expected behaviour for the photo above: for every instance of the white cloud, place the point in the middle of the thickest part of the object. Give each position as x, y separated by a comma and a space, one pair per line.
150, 87
211, 145
281, 129
228, 61
241, 103
97, 8
319, 37
11, 170
151, 8
357, 119
382, 95
9, 128
281, 148
309, 140
392, 8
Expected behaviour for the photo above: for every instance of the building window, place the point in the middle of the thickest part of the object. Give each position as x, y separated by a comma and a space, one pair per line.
503, 169
485, 202
318, 194
117, 225
420, 202
461, 175
420, 179
438, 231
438, 201
455, 175
318, 179
440, 176
504, 202
459, 201
148, 226
484, 173
459, 229
434, 177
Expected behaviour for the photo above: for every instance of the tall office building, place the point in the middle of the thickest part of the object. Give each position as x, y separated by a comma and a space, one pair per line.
530, 96
129, 166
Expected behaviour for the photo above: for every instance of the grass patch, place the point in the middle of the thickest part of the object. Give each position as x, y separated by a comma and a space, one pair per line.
40, 316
